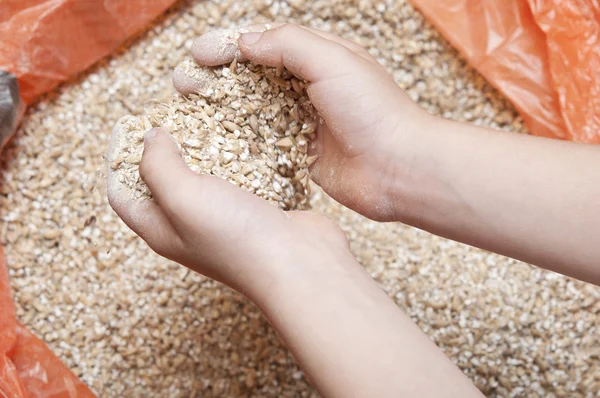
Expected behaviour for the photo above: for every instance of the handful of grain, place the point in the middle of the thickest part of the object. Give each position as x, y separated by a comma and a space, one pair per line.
245, 123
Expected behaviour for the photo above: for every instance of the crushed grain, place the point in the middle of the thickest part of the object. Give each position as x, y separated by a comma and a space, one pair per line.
238, 126
122, 317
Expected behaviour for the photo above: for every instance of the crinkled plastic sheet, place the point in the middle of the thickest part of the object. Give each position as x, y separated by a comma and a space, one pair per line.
43, 43
27, 367
542, 54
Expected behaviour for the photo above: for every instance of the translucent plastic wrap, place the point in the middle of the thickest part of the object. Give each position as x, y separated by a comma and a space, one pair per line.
45, 42
542, 54
27, 367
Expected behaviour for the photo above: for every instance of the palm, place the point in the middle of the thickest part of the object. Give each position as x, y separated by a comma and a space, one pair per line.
355, 148
362, 108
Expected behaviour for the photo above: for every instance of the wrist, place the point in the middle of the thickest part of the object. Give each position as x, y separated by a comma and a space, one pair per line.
413, 180
301, 274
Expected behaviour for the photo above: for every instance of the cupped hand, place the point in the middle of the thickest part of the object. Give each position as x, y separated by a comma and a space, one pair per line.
365, 116
212, 226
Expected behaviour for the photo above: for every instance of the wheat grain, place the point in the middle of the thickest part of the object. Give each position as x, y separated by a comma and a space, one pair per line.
236, 124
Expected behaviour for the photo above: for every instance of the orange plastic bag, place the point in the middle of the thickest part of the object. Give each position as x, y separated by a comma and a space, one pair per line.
542, 54
27, 367
43, 43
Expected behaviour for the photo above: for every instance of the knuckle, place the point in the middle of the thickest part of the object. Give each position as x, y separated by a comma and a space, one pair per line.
339, 51
287, 31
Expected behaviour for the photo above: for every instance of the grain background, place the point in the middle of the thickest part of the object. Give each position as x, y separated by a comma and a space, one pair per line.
131, 324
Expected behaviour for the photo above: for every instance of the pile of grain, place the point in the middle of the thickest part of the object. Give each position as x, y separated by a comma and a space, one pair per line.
132, 324
247, 124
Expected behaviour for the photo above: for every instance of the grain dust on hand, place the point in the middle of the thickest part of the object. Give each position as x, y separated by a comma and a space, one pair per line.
245, 123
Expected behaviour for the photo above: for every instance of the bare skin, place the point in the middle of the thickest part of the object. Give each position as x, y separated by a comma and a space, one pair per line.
381, 155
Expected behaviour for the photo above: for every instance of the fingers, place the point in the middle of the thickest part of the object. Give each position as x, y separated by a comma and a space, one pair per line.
185, 84
349, 44
190, 78
145, 217
303, 53
163, 170
306, 52
220, 47
215, 48
183, 195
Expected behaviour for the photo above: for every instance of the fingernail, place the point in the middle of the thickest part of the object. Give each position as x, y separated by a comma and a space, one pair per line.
151, 134
251, 38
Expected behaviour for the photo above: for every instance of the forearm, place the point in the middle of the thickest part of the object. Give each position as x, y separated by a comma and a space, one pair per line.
351, 339
529, 198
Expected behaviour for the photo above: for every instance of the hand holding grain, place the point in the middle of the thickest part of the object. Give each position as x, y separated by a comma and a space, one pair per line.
210, 225
357, 100
296, 266
525, 197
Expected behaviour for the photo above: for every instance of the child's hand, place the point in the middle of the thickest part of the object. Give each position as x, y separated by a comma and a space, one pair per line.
366, 117
296, 267
214, 227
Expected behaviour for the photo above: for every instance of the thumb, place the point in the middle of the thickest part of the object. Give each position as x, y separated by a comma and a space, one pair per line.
162, 168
